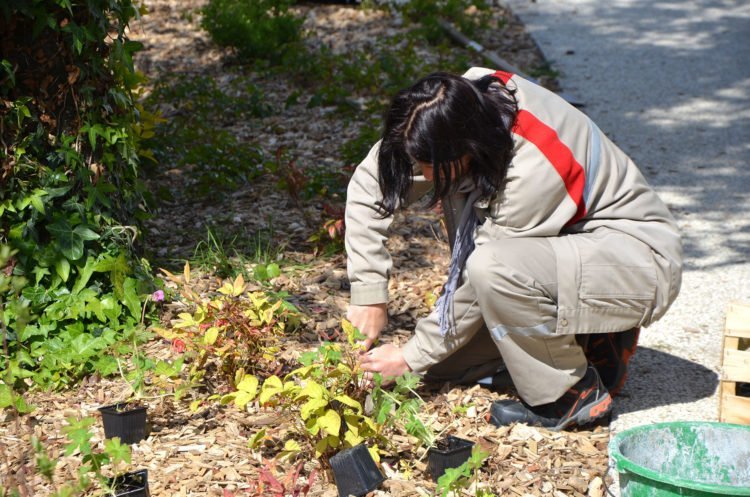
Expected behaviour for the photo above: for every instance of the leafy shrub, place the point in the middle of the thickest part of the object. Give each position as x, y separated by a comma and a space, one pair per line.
328, 395
257, 29
70, 195
235, 332
456, 479
428, 12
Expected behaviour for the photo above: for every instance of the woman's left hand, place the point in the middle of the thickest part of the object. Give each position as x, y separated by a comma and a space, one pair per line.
388, 360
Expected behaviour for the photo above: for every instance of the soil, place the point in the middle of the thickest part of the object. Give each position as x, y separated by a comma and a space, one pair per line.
206, 452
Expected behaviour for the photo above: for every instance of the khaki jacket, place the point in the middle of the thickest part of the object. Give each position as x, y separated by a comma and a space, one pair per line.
566, 177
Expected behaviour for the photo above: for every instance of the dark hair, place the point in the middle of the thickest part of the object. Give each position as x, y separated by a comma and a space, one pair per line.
440, 119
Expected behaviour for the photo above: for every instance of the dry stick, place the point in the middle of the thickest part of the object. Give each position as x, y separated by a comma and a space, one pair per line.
494, 58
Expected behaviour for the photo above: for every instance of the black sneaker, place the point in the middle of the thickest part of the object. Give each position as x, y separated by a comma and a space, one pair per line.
610, 354
583, 403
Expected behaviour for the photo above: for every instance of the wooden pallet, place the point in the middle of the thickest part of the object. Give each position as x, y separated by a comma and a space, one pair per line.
735, 365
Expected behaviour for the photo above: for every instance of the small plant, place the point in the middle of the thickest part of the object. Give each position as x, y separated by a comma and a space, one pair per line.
261, 29
94, 461
456, 479
328, 393
272, 484
329, 238
236, 331
400, 406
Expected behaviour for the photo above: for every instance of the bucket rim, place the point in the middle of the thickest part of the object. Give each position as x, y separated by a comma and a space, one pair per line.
623, 463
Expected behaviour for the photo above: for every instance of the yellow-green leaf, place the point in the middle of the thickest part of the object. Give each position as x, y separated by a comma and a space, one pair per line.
312, 390
330, 422
367, 421
194, 405
164, 333
239, 286
320, 447
349, 330
302, 372
238, 375
292, 446
346, 400
211, 335
375, 453
242, 399
249, 385
270, 388
353, 423
312, 405
352, 439
273, 381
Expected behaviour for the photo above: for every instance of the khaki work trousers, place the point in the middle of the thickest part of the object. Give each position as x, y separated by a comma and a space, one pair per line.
512, 282
519, 288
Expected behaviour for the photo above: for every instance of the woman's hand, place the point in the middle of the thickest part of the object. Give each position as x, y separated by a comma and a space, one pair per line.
388, 360
370, 319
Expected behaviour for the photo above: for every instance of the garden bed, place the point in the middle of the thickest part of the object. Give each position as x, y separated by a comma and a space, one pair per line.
205, 452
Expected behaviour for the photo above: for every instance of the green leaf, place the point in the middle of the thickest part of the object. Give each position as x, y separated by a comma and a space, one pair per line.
130, 297
321, 447
6, 396
62, 268
85, 346
257, 439
116, 451
69, 242
273, 270
77, 432
85, 233
84, 274
37, 203
330, 422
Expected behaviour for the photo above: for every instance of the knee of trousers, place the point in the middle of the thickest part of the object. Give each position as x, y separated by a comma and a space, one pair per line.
498, 265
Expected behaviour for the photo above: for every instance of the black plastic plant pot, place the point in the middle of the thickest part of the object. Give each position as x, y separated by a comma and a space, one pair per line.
134, 484
355, 472
125, 421
450, 452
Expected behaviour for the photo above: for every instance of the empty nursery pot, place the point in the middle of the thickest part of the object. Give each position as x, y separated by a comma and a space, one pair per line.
450, 452
355, 472
125, 421
133, 484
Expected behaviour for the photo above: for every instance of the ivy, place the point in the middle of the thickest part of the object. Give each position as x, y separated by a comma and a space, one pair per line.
71, 138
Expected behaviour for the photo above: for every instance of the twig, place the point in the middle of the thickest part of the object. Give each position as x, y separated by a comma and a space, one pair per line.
494, 58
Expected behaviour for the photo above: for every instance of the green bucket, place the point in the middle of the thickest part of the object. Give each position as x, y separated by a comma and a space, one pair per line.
683, 458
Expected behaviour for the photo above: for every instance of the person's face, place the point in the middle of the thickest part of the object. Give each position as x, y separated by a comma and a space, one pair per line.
428, 170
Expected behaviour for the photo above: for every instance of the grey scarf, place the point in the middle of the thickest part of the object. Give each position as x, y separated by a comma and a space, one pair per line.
463, 245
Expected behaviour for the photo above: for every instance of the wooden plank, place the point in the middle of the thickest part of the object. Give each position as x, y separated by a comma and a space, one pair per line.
736, 365
735, 409
738, 320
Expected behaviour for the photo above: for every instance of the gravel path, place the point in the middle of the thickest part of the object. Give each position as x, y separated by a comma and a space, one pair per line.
669, 81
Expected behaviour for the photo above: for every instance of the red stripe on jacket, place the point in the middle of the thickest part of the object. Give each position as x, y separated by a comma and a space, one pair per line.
546, 140
503, 76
